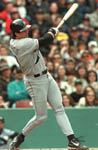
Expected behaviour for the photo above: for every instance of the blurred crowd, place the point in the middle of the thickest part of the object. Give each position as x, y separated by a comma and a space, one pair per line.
72, 58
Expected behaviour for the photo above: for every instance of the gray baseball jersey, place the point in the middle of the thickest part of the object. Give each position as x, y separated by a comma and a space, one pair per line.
28, 55
42, 88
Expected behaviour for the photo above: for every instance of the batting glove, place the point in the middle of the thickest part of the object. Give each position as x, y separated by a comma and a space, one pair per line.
54, 31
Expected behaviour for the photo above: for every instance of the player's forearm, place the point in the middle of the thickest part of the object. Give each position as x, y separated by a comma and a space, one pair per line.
46, 39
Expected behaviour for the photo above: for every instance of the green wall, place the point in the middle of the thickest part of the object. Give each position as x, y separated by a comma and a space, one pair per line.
84, 122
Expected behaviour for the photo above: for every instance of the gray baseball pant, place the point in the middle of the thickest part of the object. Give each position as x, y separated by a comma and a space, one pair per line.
41, 89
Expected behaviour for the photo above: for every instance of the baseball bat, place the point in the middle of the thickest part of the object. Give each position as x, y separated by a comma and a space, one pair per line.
68, 14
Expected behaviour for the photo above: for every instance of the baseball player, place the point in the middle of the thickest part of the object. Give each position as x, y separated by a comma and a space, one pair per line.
39, 83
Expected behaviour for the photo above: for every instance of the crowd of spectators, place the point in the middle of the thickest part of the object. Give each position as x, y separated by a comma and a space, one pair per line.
72, 58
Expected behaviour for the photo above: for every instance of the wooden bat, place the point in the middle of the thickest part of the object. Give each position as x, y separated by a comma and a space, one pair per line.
68, 14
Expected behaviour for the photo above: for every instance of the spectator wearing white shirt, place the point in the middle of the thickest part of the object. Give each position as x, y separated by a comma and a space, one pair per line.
88, 100
69, 85
11, 60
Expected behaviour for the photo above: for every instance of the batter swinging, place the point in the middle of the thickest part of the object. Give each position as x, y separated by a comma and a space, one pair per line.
39, 83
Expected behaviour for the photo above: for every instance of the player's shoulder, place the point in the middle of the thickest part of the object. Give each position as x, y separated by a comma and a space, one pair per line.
19, 43
22, 41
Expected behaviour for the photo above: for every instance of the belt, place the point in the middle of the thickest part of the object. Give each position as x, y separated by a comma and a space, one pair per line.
39, 74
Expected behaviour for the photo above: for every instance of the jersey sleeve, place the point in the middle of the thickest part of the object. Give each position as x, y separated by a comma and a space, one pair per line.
28, 45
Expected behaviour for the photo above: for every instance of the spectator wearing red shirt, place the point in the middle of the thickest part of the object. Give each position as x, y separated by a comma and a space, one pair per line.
14, 15
6, 12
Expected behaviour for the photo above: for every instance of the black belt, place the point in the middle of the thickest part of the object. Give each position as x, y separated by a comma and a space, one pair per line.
43, 72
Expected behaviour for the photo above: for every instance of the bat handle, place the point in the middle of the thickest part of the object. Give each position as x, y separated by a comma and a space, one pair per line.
60, 24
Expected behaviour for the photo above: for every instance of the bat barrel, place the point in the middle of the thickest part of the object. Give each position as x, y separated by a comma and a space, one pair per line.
68, 14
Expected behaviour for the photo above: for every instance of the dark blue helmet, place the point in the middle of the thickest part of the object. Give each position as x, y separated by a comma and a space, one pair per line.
19, 26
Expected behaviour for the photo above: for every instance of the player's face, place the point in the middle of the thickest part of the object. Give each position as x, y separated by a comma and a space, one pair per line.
22, 34
26, 33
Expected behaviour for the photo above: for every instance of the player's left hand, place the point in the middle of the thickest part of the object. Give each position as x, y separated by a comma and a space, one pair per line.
54, 31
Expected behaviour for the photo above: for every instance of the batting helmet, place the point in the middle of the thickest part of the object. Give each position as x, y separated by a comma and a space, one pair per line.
19, 26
